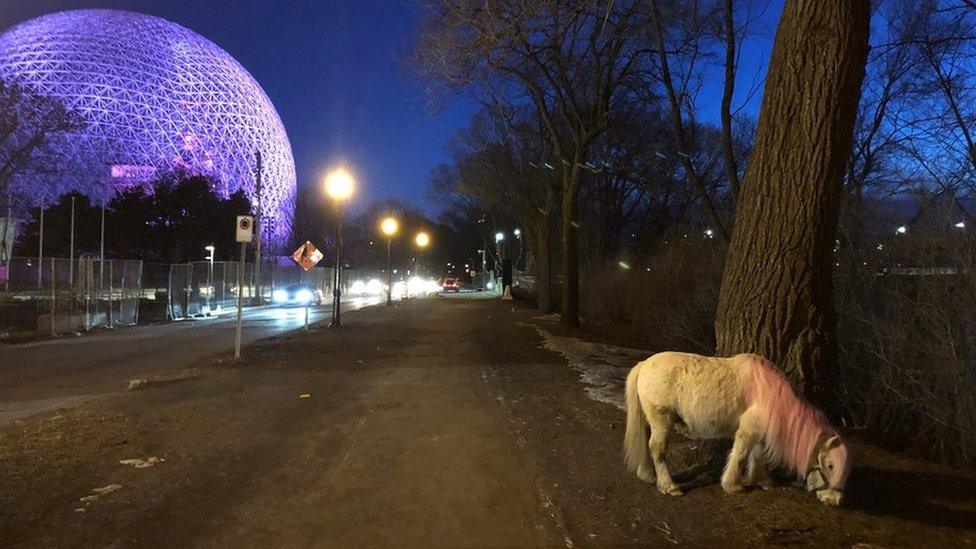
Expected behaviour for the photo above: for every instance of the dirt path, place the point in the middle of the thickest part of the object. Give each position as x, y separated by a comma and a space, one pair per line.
439, 423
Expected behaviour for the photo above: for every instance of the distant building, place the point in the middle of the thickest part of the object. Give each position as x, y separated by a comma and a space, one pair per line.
155, 96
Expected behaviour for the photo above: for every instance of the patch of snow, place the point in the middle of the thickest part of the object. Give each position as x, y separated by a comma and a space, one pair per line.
98, 492
603, 368
141, 463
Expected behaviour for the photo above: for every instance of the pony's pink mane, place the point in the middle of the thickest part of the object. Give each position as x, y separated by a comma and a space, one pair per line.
792, 424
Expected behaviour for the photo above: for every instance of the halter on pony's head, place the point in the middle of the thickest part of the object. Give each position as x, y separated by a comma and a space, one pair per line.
827, 469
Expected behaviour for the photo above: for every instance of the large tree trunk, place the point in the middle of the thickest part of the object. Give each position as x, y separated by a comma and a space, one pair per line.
777, 293
543, 264
569, 315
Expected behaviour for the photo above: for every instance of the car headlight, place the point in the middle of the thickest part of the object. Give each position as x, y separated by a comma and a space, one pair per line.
374, 287
279, 296
304, 296
358, 287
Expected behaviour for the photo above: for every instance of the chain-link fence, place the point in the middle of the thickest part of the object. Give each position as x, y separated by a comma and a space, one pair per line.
60, 295
87, 293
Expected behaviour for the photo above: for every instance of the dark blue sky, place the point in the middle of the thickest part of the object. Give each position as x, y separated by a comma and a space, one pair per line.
339, 74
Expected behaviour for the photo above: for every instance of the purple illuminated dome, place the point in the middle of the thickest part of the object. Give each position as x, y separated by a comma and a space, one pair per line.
155, 96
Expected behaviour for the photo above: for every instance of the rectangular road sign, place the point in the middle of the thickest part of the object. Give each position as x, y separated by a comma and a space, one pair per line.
245, 228
307, 255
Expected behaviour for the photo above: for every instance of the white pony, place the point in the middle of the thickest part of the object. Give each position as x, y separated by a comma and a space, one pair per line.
744, 397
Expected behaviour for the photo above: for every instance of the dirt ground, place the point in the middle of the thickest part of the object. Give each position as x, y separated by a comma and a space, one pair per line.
442, 422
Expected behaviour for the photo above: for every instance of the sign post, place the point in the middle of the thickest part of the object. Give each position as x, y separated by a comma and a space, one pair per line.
245, 231
307, 256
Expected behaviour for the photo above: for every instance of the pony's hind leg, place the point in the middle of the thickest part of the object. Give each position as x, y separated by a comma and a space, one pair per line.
661, 421
646, 473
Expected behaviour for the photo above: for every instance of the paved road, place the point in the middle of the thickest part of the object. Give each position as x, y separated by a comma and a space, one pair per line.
43, 375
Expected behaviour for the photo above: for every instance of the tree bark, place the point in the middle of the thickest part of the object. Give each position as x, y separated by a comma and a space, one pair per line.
569, 313
777, 293
543, 264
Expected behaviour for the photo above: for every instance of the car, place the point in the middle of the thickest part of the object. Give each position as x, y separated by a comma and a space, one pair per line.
451, 285
297, 295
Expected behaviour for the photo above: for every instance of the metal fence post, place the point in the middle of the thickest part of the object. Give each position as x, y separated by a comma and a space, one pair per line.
138, 285
169, 294
111, 273
54, 301
189, 288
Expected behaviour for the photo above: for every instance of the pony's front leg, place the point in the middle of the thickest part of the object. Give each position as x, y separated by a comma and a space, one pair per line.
746, 437
661, 422
757, 472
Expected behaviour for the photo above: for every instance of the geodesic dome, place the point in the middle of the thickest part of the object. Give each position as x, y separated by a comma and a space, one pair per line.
155, 96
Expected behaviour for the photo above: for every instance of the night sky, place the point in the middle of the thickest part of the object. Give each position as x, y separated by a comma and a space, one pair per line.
339, 74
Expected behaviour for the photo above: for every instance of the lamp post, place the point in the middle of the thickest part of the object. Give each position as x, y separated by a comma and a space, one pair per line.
499, 237
518, 240
422, 240
339, 186
389, 226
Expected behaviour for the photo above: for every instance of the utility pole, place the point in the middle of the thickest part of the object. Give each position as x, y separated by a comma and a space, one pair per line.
101, 251
71, 249
40, 250
8, 228
257, 226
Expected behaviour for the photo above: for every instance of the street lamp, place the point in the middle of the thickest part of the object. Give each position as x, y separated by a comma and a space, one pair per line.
339, 186
389, 226
499, 237
422, 240
518, 255
210, 257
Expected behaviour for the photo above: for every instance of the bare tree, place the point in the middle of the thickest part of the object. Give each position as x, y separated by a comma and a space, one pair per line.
570, 60
27, 122
501, 161
777, 294
680, 89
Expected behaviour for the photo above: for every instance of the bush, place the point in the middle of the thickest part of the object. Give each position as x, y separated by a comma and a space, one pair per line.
906, 359
671, 298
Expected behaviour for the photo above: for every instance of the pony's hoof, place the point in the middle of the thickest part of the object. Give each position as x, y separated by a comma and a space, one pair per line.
673, 490
731, 488
647, 475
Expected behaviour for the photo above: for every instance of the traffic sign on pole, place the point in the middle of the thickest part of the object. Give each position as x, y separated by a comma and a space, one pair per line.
307, 256
245, 231
245, 228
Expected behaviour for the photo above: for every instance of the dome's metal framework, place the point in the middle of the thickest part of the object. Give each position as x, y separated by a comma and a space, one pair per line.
155, 96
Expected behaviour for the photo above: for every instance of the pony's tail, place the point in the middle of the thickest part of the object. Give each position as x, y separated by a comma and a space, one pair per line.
635, 439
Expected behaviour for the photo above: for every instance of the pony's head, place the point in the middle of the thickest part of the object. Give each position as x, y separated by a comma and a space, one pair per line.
827, 476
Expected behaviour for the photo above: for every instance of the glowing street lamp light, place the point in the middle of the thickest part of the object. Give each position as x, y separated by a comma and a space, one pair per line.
422, 240
901, 230
961, 225
499, 236
389, 226
339, 186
